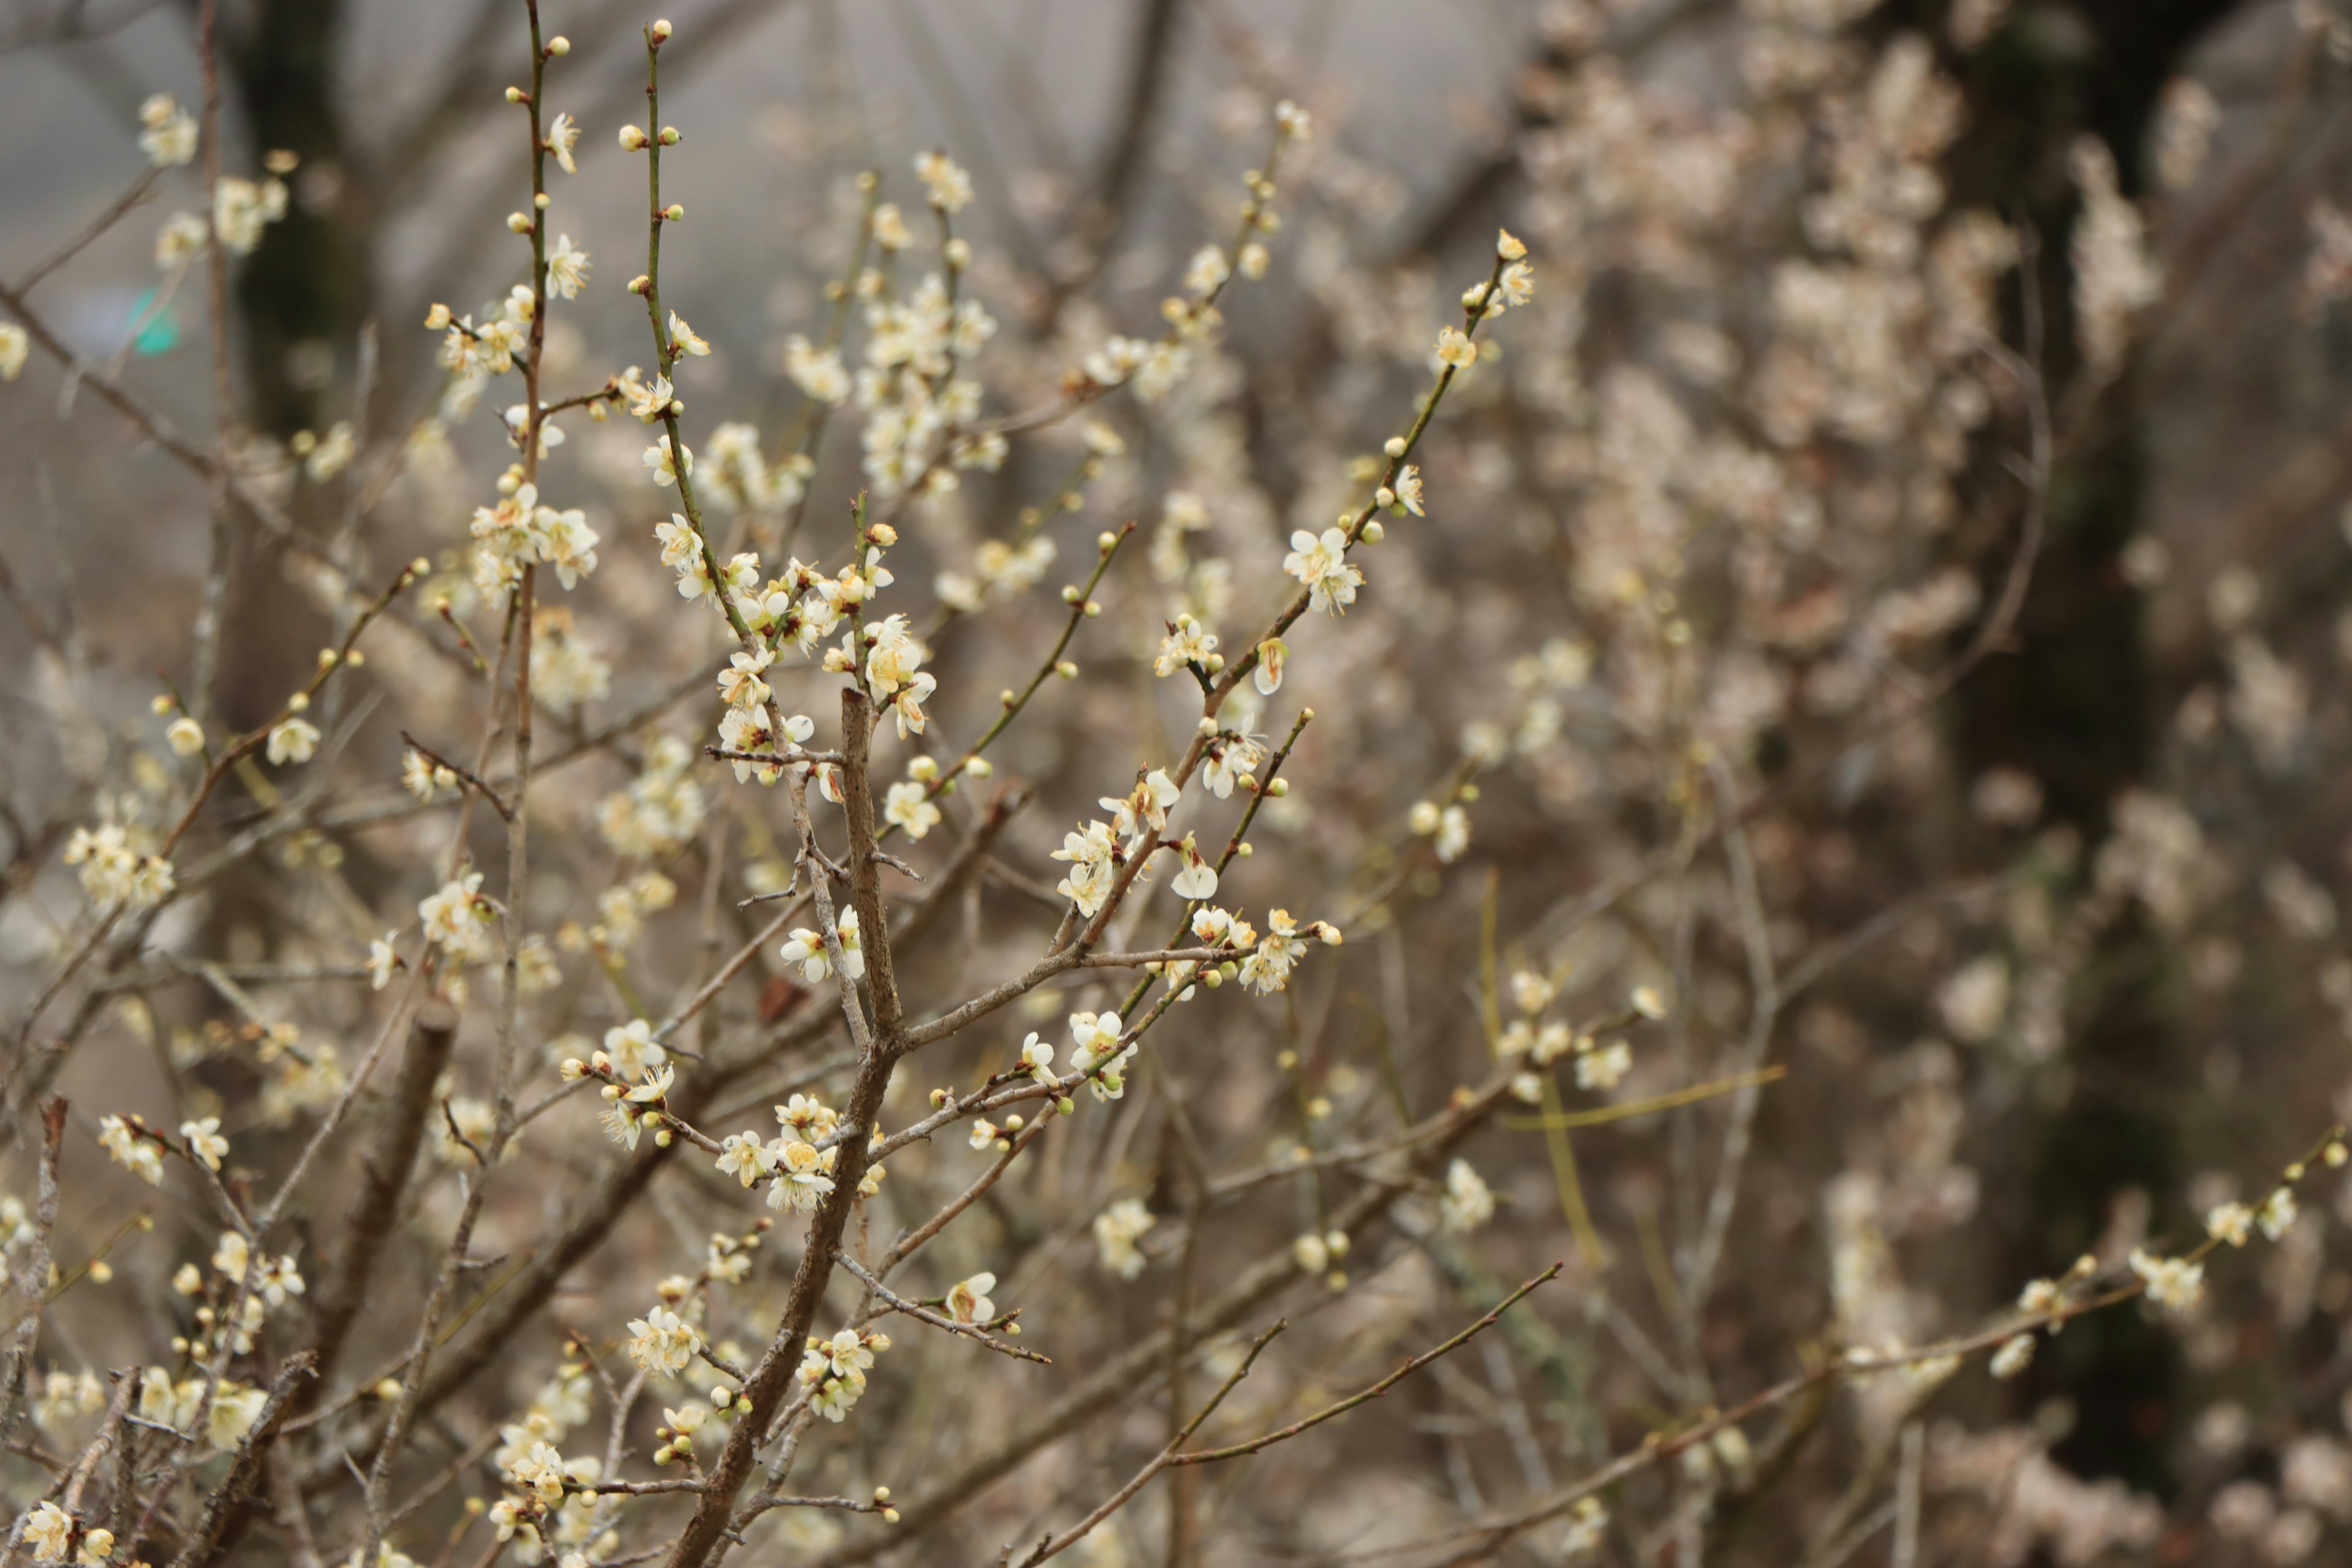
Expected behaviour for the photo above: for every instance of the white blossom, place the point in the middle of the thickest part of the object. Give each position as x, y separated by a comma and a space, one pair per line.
1116, 1230
662, 1342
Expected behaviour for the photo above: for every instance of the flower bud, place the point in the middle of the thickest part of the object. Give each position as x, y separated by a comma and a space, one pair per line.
661, 31
669, 136
632, 138
558, 46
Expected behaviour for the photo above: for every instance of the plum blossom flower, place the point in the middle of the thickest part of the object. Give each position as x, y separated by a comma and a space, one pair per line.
567, 268
296, 740
1321, 564
663, 1342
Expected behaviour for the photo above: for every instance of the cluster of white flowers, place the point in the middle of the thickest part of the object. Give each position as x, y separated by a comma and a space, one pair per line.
1094, 855
661, 811
56, 1536
243, 209
833, 1370
476, 354
737, 476
1116, 1230
2173, 1282
133, 1146
799, 1173
168, 136
1320, 562
916, 406
2235, 1222
1466, 1203
552, 1502
235, 1406
116, 870
276, 1281
566, 672
66, 1396
662, 1342
458, 918
2115, 279
519, 531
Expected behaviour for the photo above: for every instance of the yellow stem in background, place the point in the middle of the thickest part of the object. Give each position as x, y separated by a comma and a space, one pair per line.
1601, 1115
1572, 1188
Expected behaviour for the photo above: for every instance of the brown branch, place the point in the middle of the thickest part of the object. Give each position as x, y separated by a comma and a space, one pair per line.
1234, 1451
1143, 1361
115, 212
33, 1278
228, 1500
1054, 1545
920, 1313
383, 1173
865, 877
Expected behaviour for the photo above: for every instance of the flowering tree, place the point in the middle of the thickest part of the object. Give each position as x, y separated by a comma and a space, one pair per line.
702, 1070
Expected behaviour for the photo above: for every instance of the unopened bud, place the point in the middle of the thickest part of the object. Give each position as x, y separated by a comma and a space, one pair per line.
558, 46
661, 31
669, 136
519, 222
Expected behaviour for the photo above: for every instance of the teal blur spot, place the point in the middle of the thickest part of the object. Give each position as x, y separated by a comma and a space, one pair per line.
159, 335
